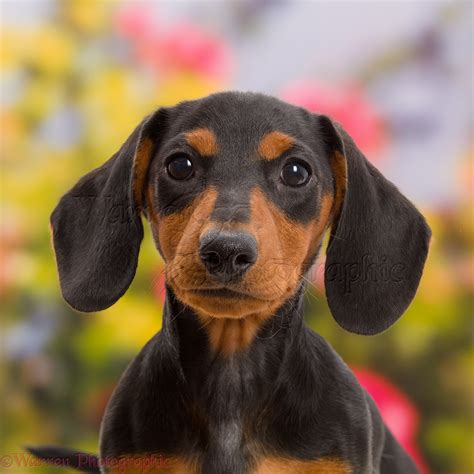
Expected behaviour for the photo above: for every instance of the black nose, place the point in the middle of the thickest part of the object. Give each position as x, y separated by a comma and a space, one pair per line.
227, 255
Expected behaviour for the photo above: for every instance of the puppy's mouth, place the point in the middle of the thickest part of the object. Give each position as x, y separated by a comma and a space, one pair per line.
224, 302
223, 292
255, 294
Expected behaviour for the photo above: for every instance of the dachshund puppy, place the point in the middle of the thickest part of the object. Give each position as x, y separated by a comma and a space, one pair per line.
239, 190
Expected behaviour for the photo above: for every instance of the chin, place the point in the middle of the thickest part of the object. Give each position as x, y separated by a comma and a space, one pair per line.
224, 303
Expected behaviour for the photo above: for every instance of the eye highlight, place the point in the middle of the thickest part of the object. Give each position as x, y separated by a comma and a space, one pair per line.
180, 167
295, 174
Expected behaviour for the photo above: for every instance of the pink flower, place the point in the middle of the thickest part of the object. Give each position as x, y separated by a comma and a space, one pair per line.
466, 177
182, 48
347, 105
398, 412
135, 21
187, 47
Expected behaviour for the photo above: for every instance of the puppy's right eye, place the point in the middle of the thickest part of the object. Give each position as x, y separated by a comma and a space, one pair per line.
180, 167
295, 174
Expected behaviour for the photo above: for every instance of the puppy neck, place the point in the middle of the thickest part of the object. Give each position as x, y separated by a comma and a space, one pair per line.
195, 336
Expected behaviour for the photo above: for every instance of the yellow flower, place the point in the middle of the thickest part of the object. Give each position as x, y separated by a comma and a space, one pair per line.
10, 44
183, 87
86, 15
48, 49
113, 103
52, 50
125, 327
13, 139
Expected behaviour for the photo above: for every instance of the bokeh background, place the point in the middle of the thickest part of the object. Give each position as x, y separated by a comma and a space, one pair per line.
77, 76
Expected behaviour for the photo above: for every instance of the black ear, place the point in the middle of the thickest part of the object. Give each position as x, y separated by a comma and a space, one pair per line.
97, 227
378, 244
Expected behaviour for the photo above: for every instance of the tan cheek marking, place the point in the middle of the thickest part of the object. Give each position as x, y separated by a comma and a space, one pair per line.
284, 242
291, 466
171, 231
141, 162
203, 140
181, 231
287, 245
273, 144
178, 230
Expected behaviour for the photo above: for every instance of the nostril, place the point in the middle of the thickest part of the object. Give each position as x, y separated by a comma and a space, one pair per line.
243, 260
210, 257
227, 255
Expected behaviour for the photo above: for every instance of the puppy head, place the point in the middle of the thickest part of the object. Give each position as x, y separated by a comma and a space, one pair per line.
239, 190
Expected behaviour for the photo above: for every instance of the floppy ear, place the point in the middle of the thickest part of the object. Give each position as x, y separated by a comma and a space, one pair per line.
378, 244
97, 227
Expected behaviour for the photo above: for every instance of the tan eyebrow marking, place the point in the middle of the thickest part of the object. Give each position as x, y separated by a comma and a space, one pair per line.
203, 140
273, 144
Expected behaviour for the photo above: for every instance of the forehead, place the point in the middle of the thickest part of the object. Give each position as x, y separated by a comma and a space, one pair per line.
241, 120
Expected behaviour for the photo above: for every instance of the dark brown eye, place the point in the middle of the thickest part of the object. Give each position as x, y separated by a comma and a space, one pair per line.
295, 174
180, 167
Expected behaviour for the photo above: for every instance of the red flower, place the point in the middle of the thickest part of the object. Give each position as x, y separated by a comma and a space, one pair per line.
159, 289
398, 412
347, 105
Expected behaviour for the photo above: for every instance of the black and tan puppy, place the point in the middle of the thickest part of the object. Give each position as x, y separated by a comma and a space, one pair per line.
239, 190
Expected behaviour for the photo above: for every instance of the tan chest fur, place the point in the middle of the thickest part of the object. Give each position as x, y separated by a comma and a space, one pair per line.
269, 465
295, 466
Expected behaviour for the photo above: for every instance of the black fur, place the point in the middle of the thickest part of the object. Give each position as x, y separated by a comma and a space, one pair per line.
287, 395
83, 462
380, 225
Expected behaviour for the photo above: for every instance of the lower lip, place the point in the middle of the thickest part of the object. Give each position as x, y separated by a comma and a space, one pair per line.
220, 293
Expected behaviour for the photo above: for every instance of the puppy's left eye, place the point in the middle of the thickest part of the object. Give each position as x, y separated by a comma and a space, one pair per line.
180, 167
295, 174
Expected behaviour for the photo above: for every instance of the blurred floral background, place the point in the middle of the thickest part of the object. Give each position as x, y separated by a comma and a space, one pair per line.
77, 76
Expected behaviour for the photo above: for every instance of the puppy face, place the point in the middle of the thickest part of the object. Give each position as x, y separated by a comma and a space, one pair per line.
239, 189
239, 172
